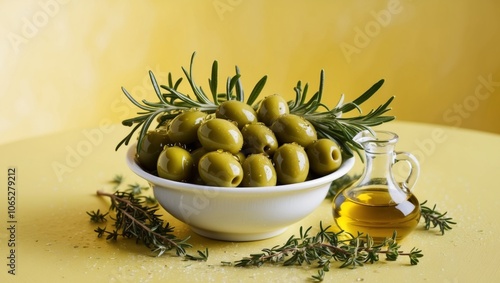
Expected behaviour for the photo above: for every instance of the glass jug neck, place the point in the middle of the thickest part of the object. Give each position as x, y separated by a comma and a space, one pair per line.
378, 165
379, 155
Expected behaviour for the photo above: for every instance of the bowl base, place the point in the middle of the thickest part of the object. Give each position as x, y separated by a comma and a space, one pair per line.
236, 237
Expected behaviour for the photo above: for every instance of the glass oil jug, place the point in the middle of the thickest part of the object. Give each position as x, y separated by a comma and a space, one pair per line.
376, 204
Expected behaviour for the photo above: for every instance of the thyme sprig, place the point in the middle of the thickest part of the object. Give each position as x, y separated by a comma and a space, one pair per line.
325, 247
434, 218
97, 216
329, 123
135, 216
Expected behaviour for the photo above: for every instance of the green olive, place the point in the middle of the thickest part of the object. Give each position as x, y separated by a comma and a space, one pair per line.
291, 163
324, 156
196, 154
220, 134
272, 107
183, 128
258, 138
175, 163
236, 111
220, 168
240, 156
258, 171
290, 128
150, 148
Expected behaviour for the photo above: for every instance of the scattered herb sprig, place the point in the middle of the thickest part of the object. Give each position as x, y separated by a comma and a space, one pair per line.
135, 216
325, 247
434, 218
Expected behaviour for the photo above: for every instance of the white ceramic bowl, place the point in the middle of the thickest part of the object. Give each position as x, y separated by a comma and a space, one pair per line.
242, 213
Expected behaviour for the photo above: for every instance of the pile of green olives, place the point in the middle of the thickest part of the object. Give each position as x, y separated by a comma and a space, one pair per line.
239, 146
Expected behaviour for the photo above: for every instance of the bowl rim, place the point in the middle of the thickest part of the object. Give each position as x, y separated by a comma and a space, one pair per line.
344, 168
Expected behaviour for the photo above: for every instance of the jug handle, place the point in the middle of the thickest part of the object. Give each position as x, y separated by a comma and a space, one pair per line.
414, 173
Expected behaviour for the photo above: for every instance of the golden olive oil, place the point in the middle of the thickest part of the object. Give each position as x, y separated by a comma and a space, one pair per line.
373, 210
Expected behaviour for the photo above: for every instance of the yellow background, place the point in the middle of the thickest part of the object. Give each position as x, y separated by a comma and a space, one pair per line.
62, 63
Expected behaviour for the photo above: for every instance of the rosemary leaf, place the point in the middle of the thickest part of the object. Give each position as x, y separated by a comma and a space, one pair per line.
256, 90
214, 81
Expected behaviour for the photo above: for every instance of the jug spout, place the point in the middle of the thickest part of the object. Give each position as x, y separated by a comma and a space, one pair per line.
376, 142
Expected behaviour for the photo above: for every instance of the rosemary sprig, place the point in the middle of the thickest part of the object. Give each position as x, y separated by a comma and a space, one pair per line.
173, 102
135, 216
325, 247
434, 218
329, 123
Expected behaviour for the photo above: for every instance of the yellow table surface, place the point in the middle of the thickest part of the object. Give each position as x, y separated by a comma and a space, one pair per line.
57, 177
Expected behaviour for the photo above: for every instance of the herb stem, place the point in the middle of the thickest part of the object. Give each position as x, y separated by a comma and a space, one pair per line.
134, 219
325, 247
115, 199
434, 218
